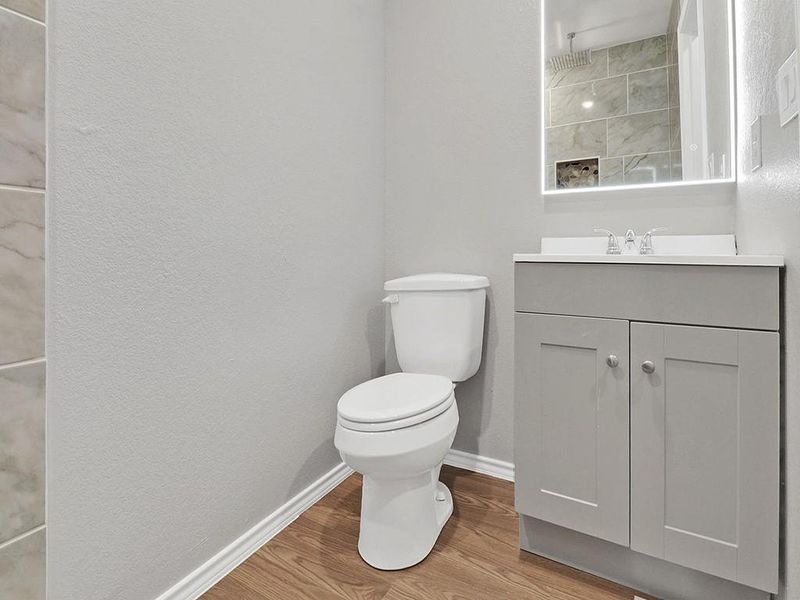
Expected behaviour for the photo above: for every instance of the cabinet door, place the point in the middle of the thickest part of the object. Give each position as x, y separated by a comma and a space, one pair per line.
571, 423
705, 450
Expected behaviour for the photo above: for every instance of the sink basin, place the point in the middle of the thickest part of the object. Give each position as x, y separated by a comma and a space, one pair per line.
667, 250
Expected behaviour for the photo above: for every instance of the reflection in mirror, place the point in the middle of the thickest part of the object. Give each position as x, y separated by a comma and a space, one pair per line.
637, 92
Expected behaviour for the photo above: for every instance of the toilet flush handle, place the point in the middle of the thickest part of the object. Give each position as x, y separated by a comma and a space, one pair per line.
391, 299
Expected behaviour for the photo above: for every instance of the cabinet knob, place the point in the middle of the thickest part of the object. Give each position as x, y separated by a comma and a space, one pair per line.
612, 361
649, 367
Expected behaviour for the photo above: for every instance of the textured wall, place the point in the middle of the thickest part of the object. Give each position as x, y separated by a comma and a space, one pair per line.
463, 176
216, 228
768, 218
461, 155
22, 266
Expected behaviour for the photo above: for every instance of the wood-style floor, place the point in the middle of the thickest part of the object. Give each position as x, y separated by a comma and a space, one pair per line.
476, 556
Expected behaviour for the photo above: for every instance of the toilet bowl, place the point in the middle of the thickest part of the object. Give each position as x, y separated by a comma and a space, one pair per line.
396, 430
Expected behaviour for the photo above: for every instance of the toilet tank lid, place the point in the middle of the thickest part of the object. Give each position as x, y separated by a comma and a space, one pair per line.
430, 282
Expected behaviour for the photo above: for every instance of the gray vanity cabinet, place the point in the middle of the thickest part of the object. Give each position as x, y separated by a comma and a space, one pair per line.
658, 432
704, 449
572, 423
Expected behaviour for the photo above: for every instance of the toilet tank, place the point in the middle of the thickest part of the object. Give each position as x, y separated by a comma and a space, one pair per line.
438, 321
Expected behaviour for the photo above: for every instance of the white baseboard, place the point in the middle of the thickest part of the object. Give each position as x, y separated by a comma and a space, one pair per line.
226, 560
480, 464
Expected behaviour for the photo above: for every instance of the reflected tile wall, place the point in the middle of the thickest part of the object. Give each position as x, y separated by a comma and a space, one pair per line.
648, 168
639, 133
32, 8
580, 140
632, 92
21, 449
638, 56
21, 275
611, 171
22, 153
648, 90
589, 101
22, 385
22, 570
675, 128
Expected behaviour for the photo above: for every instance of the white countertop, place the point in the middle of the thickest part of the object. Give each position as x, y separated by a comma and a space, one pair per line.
655, 259
712, 250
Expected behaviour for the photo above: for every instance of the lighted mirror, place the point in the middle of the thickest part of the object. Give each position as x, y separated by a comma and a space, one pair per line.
637, 92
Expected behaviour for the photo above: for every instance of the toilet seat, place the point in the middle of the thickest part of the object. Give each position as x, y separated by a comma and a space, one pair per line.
395, 402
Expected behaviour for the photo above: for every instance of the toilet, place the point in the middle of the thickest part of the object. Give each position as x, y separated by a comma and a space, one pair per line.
396, 430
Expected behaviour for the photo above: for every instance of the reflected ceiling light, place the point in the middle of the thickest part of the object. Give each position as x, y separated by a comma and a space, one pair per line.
587, 104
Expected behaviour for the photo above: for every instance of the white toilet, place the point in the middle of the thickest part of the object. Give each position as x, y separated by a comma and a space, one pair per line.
396, 430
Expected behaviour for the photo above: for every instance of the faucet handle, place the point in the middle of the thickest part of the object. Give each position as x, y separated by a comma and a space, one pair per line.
646, 245
613, 244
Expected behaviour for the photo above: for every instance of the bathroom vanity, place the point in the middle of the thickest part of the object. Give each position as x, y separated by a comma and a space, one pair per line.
647, 418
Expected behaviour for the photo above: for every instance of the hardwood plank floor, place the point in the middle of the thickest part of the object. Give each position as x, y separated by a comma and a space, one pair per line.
476, 556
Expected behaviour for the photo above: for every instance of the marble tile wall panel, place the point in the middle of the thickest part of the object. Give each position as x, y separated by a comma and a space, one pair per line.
672, 48
32, 8
22, 86
674, 86
550, 182
21, 449
590, 101
21, 275
648, 90
581, 140
641, 133
598, 69
675, 128
611, 171
642, 121
22, 568
676, 166
547, 96
638, 56
648, 168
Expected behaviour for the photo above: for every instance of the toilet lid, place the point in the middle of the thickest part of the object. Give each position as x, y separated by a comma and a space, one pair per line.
396, 397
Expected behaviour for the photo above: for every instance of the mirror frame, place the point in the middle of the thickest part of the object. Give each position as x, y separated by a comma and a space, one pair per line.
725, 182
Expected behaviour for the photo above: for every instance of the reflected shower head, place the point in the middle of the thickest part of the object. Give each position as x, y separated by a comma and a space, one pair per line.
571, 60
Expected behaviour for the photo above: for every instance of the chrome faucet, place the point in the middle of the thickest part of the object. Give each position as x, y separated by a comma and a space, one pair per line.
646, 245
630, 242
613, 244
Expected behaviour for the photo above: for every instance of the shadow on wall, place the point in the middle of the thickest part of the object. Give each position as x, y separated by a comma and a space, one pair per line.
376, 332
317, 464
472, 393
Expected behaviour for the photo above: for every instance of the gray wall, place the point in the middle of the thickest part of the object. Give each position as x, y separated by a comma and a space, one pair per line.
22, 267
216, 228
768, 218
463, 174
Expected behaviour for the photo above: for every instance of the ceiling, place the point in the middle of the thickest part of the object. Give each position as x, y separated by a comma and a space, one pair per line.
602, 23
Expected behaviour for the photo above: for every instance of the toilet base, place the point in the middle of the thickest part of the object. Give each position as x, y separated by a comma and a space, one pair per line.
401, 519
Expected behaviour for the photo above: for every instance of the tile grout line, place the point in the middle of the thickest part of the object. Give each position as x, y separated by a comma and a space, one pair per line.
22, 15
20, 188
23, 363
643, 112
22, 536
569, 85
